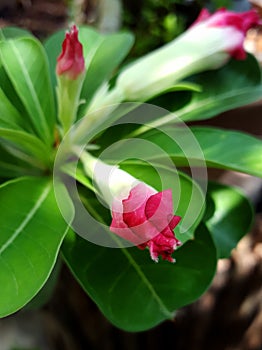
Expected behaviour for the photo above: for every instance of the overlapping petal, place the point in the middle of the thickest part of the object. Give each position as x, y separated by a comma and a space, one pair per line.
146, 219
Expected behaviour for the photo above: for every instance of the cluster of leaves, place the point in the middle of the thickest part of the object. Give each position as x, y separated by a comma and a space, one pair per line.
122, 282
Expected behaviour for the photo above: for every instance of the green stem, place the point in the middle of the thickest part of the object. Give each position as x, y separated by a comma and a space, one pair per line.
89, 163
68, 95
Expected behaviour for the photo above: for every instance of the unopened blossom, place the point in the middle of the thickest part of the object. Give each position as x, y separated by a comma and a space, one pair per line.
140, 214
208, 44
236, 23
146, 219
70, 71
71, 61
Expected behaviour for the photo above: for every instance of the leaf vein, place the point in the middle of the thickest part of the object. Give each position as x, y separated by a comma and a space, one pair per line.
146, 281
30, 86
27, 219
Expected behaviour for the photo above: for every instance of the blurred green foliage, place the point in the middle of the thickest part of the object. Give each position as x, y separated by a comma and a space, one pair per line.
156, 22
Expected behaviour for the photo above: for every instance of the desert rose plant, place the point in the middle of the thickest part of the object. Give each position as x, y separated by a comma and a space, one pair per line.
91, 157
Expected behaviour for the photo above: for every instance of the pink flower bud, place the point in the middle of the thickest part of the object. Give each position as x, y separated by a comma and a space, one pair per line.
146, 219
71, 61
235, 25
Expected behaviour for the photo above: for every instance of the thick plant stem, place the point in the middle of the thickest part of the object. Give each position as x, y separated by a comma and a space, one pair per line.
68, 93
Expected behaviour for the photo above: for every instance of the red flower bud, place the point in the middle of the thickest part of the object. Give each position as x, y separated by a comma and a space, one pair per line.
71, 61
146, 219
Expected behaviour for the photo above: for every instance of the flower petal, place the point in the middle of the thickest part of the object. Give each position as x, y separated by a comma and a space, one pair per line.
71, 60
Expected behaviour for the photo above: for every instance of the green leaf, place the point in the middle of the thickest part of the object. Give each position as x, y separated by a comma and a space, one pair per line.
185, 86
32, 230
232, 217
13, 32
48, 289
11, 166
18, 113
235, 85
109, 54
26, 65
217, 148
34, 149
9, 116
132, 291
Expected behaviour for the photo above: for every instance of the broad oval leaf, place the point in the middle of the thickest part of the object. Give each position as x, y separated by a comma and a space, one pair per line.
26, 65
19, 118
232, 217
9, 116
13, 32
11, 166
110, 52
236, 84
218, 148
132, 291
33, 150
32, 230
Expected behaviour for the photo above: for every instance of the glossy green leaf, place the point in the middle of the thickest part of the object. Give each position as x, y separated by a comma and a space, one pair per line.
9, 116
10, 170
26, 65
132, 291
30, 145
45, 294
11, 166
17, 113
13, 32
109, 54
185, 86
217, 147
235, 85
32, 230
232, 217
